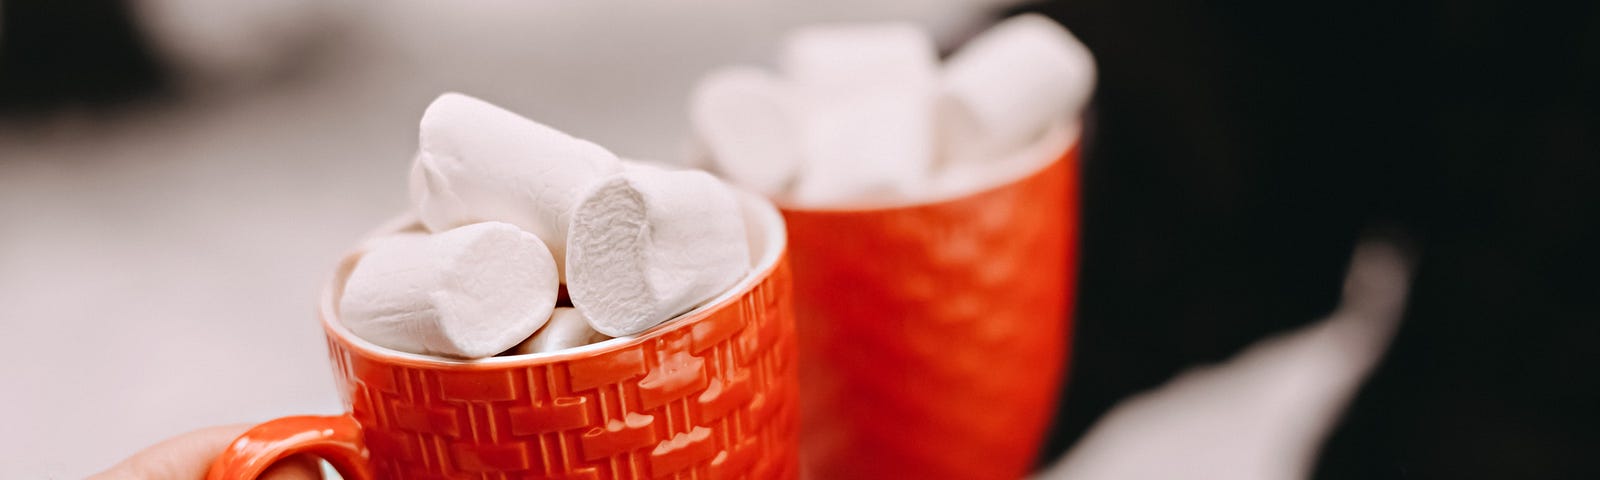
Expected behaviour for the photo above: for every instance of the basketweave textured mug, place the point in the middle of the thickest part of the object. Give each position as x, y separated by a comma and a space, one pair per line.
711, 394
933, 336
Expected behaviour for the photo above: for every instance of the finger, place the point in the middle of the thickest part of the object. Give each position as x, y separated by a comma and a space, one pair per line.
188, 456
297, 467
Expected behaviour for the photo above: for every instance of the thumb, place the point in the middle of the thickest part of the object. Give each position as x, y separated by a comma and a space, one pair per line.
189, 456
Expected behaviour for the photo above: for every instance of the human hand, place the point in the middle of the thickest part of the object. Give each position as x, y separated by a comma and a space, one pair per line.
188, 456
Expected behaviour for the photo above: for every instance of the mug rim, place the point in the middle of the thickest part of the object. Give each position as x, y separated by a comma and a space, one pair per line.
773, 241
1071, 138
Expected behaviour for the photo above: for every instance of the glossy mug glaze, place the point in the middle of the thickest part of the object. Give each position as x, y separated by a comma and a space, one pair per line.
933, 336
710, 394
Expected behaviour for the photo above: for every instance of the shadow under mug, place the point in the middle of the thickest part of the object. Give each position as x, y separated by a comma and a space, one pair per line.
710, 394
933, 336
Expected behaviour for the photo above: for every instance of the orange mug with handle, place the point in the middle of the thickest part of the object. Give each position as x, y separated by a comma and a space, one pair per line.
933, 336
710, 394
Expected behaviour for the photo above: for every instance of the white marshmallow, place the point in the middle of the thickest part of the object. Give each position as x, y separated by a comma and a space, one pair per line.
566, 329
867, 115
745, 120
648, 244
479, 162
855, 55
468, 292
965, 178
872, 148
1006, 86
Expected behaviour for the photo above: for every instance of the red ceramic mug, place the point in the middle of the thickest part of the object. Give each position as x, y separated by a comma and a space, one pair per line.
710, 394
933, 336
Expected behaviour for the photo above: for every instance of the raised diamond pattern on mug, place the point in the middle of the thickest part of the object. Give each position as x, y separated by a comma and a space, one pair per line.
723, 396
387, 444
436, 420
766, 336
619, 435
761, 408
606, 369
495, 457
374, 375
682, 452
492, 386
678, 375
561, 414
715, 330
734, 462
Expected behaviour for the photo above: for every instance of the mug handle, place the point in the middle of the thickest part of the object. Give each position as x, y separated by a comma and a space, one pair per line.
335, 438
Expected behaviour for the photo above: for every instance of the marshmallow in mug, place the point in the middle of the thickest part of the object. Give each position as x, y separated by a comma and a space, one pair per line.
567, 328
964, 178
866, 121
647, 244
468, 292
1006, 86
748, 114
478, 162
875, 122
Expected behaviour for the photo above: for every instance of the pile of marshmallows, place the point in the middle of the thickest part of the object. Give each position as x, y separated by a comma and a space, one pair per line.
865, 114
510, 210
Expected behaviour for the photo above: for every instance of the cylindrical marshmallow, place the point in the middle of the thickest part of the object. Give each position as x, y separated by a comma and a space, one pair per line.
868, 94
850, 55
479, 162
648, 244
566, 329
1005, 86
865, 149
469, 292
957, 179
744, 118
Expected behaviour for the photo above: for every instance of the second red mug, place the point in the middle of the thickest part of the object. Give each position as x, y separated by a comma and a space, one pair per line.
933, 336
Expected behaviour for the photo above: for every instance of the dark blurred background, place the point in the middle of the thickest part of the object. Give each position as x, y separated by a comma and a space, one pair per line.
1238, 150
58, 53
